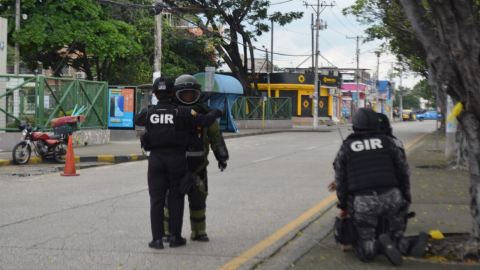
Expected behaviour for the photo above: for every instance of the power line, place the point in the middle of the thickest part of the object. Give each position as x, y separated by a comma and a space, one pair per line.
342, 22
336, 4
294, 31
333, 47
281, 2
353, 24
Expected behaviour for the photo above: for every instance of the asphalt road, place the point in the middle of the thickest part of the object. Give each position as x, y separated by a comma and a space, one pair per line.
100, 220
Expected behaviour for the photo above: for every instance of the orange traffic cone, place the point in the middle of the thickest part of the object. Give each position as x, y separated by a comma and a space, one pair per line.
70, 161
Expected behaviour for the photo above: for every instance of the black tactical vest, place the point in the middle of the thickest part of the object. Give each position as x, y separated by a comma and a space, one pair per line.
164, 128
370, 165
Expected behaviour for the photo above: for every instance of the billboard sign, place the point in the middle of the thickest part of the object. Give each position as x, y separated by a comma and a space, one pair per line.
121, 107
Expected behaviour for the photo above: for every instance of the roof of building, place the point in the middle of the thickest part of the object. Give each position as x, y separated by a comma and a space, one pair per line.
223, 84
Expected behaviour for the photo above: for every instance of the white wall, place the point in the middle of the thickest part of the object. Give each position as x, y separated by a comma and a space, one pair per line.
3, 68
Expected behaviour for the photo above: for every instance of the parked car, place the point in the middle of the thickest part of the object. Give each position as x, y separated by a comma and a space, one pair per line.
409, 115
428, 115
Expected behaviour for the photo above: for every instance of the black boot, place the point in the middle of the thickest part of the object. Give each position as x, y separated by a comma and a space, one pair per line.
417, 249
156, 244
166, 238
177, 241
201, 238
386, 247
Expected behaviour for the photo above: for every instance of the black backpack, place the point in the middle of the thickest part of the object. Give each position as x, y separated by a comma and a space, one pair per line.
344, 230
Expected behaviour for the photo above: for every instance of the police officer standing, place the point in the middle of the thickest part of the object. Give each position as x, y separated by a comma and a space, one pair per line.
166, 125
372, 180
200, 140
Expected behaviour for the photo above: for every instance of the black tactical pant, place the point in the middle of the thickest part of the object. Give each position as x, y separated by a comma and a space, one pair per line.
197, 205
165, 169
368, 209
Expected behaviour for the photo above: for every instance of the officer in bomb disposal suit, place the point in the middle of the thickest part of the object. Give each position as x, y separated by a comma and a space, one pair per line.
166, 125
200, 140
372, 180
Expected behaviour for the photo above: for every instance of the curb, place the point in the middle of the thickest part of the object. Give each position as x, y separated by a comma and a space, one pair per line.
136, 157
100, 158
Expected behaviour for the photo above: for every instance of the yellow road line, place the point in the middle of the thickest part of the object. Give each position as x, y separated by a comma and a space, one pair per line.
255, 250
412, 143
252, 252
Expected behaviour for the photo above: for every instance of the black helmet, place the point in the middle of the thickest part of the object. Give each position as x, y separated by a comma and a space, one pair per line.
384, 124
23, 125
365, 119
163, 84
188, 89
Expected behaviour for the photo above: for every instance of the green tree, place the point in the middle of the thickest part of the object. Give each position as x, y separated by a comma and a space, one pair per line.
240, 16
387, 21
410, 99
78, 33
10, 55
425, 91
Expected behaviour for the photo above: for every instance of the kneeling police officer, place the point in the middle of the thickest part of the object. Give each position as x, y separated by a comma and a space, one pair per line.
372, 180
166, 125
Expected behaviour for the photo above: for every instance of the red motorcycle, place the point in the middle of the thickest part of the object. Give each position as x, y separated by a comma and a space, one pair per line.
44, 145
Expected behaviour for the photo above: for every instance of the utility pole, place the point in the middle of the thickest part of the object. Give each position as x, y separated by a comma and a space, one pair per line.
401, 96
313, 42
157, 62
16, 69
378, 78
357, 77
316, 86
271, 51
390, 77
268, 73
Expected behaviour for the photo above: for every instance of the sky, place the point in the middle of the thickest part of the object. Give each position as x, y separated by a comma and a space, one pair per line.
296, 39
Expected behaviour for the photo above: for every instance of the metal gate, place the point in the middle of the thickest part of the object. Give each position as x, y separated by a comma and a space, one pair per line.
53, 98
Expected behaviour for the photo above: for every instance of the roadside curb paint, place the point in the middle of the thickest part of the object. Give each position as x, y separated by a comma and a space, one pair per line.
101, 158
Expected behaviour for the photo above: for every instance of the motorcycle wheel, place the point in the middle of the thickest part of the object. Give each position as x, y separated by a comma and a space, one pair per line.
60, 152
21, 153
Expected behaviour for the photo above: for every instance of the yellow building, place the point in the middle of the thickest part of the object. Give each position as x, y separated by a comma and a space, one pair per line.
300, 87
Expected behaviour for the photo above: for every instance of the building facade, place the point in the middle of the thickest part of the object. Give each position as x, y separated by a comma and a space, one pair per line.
300, 88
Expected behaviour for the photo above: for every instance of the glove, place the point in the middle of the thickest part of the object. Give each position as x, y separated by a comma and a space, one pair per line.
222, 165
217, 112
332, 187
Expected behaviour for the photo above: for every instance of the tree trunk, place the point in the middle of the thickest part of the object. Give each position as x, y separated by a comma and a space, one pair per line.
460, 158
453, 49
469, 120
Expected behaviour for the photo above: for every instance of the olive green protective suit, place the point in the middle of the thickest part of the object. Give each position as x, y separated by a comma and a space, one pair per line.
200, 142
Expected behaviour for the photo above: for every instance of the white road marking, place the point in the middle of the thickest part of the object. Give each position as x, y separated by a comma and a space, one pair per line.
310, 148
262, 159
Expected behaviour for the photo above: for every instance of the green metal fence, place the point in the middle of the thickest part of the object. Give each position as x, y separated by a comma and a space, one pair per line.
251, 108
46, 98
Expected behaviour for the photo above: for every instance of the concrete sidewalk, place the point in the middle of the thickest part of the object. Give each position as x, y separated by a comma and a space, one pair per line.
441, 201
122, 151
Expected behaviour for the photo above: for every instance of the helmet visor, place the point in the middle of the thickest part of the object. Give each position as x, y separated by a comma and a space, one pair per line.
188, 96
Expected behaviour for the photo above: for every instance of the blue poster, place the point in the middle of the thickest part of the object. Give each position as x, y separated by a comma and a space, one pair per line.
121, 108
